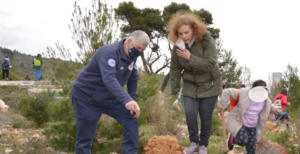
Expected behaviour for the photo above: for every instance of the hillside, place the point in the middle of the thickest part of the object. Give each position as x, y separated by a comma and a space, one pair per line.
22, 64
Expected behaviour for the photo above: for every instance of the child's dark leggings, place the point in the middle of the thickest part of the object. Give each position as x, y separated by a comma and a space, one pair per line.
247, 137
283, 116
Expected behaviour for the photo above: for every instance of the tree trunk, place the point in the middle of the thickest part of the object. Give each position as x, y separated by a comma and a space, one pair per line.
166, 80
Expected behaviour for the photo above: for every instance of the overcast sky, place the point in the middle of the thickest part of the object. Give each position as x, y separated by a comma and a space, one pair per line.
262, 34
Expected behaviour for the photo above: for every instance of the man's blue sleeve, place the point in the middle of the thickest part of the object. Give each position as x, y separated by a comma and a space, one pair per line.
132, 83
107, 64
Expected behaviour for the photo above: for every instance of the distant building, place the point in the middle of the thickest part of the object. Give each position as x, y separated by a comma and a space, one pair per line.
276, 76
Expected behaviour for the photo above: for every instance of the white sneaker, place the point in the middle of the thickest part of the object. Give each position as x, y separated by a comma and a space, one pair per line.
191, 149
202, 150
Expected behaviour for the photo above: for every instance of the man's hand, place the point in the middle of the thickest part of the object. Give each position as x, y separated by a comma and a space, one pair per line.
278, 111
289, 104
132, 106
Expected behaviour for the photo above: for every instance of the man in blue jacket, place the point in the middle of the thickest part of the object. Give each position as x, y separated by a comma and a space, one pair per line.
99, 89
5, 66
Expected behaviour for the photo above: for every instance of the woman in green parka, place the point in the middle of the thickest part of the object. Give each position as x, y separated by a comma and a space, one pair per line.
196, 63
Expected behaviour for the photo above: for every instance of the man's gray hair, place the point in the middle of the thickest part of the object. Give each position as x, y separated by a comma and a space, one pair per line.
139, 35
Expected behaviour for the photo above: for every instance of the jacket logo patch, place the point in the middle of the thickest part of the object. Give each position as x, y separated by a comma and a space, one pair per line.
111, 62
135, 67
130, 67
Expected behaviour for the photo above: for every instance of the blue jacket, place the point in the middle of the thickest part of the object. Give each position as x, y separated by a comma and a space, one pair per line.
2, 63
103, 79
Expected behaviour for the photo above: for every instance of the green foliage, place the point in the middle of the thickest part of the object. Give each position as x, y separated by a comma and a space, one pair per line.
61, 111
14, 77
90, 31
291, 81
105, 127
35, 144
7, 52
62, 136
216, 124
171, 9
216, 145
245, 77
36, 108
154, 23
64, 80
16, 124
228, 66
205, 15
147, 94
12, 95
281, 138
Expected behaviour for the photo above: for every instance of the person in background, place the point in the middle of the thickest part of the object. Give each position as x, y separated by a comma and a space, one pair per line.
37, 65
233, 102
202, 80
5, 66
27, 78
99, 89
246, 122
242, 86
284, 103
224, 87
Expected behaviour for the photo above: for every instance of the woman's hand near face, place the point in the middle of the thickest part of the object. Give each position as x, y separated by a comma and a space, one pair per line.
184, 53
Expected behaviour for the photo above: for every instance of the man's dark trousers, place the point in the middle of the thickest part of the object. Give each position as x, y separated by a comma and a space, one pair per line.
5, 72
87, 117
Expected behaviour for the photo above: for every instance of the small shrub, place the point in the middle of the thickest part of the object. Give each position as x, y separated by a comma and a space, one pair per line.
16, 124
61, 111
62, 136
216, 124
35, 108
35, 144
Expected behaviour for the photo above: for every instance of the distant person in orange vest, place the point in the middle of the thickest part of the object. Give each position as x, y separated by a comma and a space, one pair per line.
37, 65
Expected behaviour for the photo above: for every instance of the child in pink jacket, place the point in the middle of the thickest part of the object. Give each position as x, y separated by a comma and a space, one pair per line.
284, 102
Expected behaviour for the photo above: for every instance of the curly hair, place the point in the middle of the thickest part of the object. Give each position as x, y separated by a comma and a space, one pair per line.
186, 18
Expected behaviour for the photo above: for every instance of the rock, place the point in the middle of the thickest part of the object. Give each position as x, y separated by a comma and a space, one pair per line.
163, 145
292, 140
101, 140
35, 136
3, 106
23, 140
36, 91
49, 149
231, 152
266, 147
8, 150
270, 126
